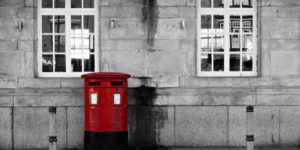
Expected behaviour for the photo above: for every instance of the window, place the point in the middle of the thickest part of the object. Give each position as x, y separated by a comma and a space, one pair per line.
226, 38
67, 37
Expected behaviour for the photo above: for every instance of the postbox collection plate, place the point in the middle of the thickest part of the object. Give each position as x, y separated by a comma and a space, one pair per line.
94, 98
117, 98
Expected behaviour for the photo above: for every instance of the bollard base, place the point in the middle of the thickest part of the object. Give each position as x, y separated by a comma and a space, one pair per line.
106, 140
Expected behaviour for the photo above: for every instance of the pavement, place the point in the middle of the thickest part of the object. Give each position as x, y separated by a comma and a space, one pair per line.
201, 148
221, 148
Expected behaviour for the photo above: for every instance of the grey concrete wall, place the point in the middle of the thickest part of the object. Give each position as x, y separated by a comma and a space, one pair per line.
168, 105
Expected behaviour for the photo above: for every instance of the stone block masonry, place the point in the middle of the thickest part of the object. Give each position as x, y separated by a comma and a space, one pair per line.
167, 104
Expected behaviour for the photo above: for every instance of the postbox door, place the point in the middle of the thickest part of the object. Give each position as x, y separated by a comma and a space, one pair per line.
119, 109
92, 109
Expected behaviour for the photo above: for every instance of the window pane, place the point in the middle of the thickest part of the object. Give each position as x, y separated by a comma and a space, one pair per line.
47, 61
247, 24
247, 3
218, 23
218, 62
205, 3
47, 4
206, 62
88, 3
76, 4
247, 43
88, 43
47, 43
47, 24
59, 3
59, 24
234, 3
89, 63
205, 21
76, 64
60, 42
234, 24
218, 43
76, 42
88, 24
92, 43
206, 42
218, 3
76, 24
234, 62
247, 62
234, 43
60, 63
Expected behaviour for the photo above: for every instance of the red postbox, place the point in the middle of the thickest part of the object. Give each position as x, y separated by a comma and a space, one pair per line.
105, 111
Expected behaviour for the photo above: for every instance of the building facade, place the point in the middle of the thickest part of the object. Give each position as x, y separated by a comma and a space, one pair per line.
195, 66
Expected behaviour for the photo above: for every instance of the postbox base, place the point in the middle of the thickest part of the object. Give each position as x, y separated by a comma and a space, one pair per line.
106, 140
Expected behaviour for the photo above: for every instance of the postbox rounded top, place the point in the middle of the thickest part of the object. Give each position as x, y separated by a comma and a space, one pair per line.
106, 75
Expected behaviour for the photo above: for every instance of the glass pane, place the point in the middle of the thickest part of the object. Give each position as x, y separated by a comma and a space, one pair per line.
76, 24
218, 23
47, 4
205, 21
88, 3
47, 24
206, 42
247, 3
206, 62
234, 3
234, 43
60, 42
92, 43
88, 43
218, 3
89, 64
47, 43
88, 24
235, 62
59, 24
76, 4
59, 3
60, 63
76, 65
218, 43
205, 3
234, 24
247, 45
76, 42
247, 24
218, 62
247, 62
47, 61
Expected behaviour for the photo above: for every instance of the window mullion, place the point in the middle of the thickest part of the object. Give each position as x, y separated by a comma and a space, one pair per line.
53, 41
255, 46
226, 38
68, 51
82, 55
68, 36
198, 38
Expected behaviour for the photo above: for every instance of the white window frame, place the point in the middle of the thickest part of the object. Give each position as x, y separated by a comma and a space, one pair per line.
226, 11
67, 12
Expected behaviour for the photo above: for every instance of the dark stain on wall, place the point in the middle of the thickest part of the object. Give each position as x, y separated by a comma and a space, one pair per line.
144, 119
150, 17
142, 96
145, 128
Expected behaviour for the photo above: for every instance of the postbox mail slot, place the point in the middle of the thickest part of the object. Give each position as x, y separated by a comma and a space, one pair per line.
116, 83
94, 83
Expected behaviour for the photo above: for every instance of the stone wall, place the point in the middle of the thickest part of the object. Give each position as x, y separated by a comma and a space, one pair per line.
168, 105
